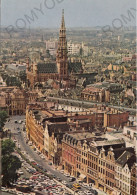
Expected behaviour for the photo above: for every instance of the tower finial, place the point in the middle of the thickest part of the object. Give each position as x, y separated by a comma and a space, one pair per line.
63, 21
62, 12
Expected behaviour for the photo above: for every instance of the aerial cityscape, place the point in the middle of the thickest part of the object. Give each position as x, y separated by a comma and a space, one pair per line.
68, 110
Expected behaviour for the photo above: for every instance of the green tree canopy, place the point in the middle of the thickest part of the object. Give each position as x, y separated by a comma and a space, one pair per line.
3, 118
10, 163
8, 147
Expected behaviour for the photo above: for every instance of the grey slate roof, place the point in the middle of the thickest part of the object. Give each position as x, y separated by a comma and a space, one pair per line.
110, 142
47, 68
126, 158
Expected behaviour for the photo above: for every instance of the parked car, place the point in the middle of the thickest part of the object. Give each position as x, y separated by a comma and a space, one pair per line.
59, 179
69, 186
20, 121
72, 179
64, 182
62, 171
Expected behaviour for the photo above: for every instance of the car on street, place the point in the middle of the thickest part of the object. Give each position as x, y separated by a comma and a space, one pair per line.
80, 193
71, 179
20, 121
62, 171
88, 193
94, 192
66, 174
45, 170
59, 179
76, 185
64, 182
69, 186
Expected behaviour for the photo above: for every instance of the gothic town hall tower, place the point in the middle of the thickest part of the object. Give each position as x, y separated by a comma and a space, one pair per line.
61, 56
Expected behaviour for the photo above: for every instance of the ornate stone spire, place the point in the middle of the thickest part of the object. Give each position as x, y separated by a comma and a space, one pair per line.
61, 57
63, 21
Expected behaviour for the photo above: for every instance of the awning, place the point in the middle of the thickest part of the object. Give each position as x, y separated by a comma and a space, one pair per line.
82, 176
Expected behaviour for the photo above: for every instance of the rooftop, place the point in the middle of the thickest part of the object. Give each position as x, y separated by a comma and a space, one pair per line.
80, 135
109, 142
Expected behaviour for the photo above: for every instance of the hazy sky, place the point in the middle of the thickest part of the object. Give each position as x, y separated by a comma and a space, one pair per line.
78, 13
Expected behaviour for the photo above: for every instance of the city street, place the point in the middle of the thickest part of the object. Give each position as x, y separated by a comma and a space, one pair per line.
20, 136
25, 147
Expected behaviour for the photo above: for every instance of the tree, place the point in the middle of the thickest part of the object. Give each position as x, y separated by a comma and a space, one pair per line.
10, 163
3, 118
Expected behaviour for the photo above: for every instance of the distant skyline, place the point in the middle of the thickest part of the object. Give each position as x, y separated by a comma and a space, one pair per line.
78, 13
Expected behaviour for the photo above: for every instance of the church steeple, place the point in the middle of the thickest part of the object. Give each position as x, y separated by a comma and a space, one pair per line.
63, 21
61, 57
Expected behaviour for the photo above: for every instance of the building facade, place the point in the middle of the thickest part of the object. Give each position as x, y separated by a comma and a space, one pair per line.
133, 180
15, 100
39, 71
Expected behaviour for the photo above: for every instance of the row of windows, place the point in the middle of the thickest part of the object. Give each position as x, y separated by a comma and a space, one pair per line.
92, 165
85, 154
109, 183
101, 163
101, 170
78, 151
68, 149
92, 157
18, 106
133, 183
110, 175
84, 161
78, 158
110, 167
92, 173
125, 178
133, 192
78, 166
122, 186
